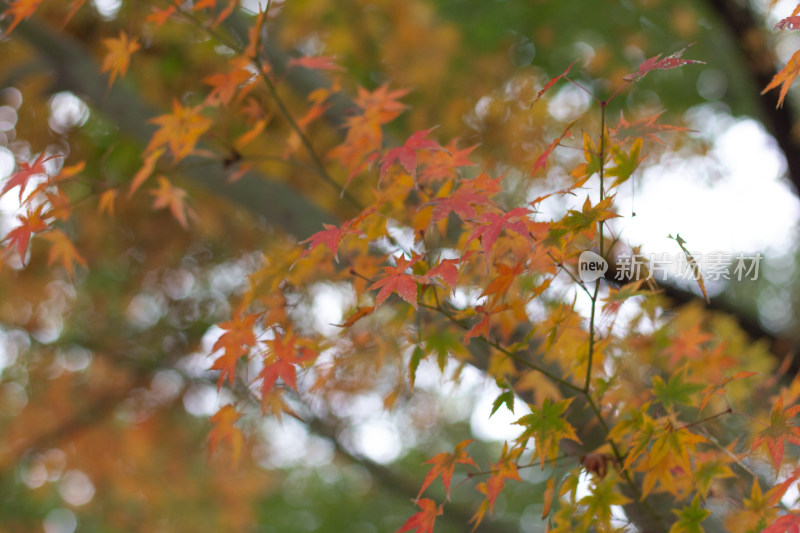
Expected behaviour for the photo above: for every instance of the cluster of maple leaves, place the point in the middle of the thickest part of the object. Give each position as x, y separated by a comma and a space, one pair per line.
464, 237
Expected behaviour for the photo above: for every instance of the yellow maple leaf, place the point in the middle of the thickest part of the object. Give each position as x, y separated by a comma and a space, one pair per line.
62, 249
106, 204
118, 57
785, 77
224, 429
172, 197
180, 130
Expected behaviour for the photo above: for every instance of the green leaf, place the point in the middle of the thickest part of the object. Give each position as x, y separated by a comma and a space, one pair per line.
416, 356
674, 391
689, 518
506, 398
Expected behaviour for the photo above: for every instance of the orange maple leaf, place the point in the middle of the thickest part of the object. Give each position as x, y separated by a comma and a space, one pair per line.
506, 468
118, 57
785, 77
285, 352
236, 341
167, 195
780, 428
180, 130
422, 522
444, 465
20, 10
224, 86
406, 155
62, 249
224, 429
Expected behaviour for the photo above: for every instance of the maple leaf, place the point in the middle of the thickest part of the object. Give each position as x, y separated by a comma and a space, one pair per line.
446, 270
788, 523
407, 155
602, 496
501, 282
577, 221
118, 57
20, 10
541, 162
785, 78
643, 127
626, 164
331, 235
236, 342
552, 82
444, 465
687, 344
147, 169
692, 264
396, 280
673, 444
62, 249
505, 468
547, 427
225, 86
160, 16
442, 164
315, 63
491, 224
106, 203
381, 105
422, 522
224, 429
25, 173
780, 429
461, 202
790, 23
32, 222
180, 130
285, 351
167, 195
656, 63
689, 518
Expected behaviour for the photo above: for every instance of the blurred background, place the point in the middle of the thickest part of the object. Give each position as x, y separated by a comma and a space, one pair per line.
105, 390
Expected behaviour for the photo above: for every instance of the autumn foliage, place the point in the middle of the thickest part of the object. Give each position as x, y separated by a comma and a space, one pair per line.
439, 266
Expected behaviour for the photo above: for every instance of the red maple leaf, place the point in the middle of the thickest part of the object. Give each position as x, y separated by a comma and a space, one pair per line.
446, 270
331, 235
656, 63
789, 23
285, 352
33, 222
422, 522
25, 173
644, 127
780, 428
541, 162
407, 154
789, 523
396, 280
444, 465
491, 224
460, 203
551, 83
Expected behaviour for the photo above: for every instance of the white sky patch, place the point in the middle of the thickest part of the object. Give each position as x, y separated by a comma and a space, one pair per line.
750, 208
501, 425
108, 9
